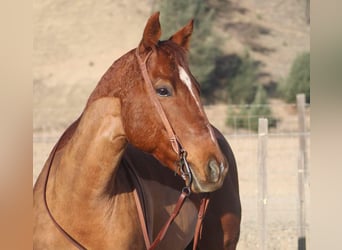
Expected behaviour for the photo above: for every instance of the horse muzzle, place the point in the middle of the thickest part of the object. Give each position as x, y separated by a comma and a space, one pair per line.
212, 179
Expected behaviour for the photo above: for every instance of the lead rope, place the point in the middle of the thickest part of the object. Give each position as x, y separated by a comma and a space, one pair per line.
199, 225
59, 227
184, 194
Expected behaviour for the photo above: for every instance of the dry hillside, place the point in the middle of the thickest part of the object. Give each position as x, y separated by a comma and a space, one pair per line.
273, 31
76, 41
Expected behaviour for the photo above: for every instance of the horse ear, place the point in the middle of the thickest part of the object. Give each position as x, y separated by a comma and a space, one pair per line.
152, 33
182, 37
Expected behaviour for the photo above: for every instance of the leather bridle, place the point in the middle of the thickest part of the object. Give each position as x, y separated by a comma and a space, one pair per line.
184, 170
175, 143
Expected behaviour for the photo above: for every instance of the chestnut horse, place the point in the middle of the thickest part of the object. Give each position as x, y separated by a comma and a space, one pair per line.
143, 128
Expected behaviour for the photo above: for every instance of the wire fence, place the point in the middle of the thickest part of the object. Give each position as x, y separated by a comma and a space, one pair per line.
283, 149
274, 183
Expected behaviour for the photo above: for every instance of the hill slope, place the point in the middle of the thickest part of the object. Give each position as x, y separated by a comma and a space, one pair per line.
76, 41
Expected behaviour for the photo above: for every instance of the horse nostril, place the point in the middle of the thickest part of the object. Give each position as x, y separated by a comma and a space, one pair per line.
213, 171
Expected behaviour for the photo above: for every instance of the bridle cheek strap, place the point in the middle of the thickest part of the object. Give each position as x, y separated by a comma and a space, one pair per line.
177, 147
151, 92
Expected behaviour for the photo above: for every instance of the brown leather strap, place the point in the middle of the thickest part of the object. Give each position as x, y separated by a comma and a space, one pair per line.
177, 147
176, 210
166, 226
139, 201
141, 209
199, 224
151, 92
174, 214
142, 219
59, 227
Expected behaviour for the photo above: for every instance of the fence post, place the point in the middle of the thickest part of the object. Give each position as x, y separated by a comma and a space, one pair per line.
262, 181
302, 172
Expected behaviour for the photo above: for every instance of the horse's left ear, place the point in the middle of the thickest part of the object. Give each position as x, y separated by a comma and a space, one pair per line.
152, 33
182, 37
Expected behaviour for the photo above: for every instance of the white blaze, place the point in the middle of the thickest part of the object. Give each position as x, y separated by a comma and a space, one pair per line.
187, 81
184, 76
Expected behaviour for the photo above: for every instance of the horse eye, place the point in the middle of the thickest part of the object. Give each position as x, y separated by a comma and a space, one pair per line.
163, 92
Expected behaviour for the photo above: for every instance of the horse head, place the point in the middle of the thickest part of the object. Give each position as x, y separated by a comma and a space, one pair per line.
172, 85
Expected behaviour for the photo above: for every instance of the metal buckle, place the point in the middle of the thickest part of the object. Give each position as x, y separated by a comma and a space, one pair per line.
186, 190
185, 171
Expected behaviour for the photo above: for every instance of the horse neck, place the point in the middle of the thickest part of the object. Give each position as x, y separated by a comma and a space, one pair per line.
97, 144
92, 155
118, 78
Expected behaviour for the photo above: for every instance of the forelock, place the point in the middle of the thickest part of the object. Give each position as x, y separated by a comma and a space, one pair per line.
174, 51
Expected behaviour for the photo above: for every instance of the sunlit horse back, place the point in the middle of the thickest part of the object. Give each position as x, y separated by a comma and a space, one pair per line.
149, 99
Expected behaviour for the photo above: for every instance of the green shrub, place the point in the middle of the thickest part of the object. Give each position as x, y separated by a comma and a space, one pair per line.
233, 80
261, 109
238, 117
204, 44
298, 80
242, 86
248, 115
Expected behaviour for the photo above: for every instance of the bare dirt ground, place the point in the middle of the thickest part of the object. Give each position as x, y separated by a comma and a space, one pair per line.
76, 41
